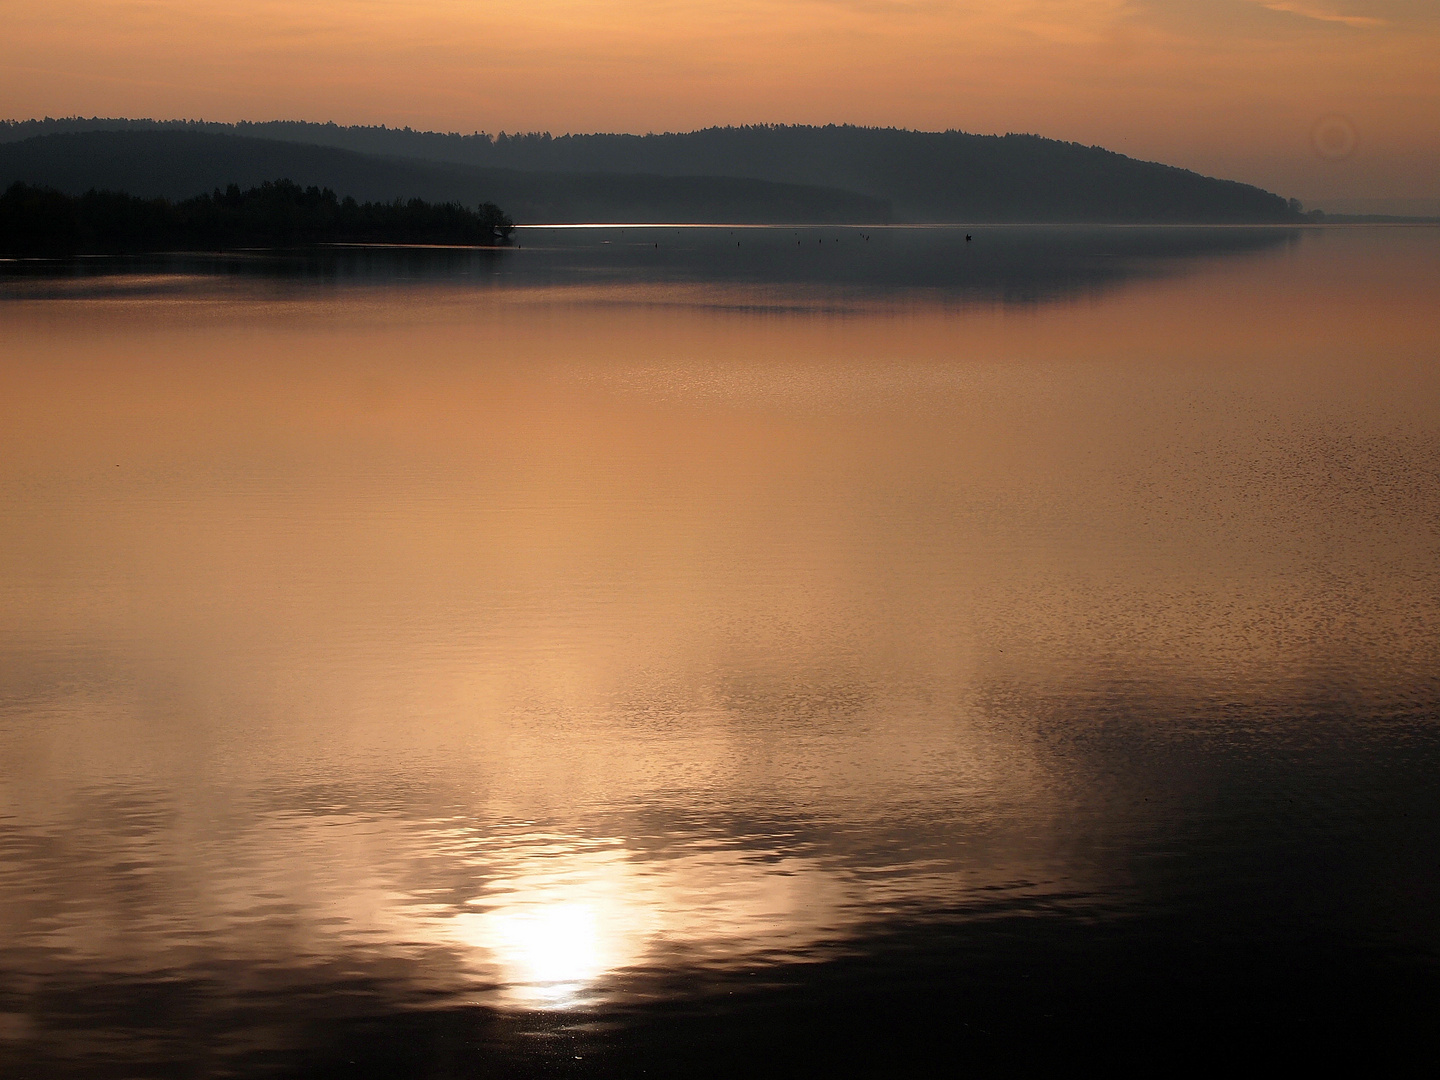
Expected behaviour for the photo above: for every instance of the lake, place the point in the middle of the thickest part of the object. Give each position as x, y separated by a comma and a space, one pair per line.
708, 651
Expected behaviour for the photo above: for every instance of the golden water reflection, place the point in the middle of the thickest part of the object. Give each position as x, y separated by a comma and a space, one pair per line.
566, 914
519, 645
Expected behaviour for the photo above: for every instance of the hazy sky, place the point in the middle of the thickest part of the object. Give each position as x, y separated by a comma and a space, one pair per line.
1321, 99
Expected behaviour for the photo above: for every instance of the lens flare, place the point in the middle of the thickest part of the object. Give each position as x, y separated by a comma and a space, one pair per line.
1334, 137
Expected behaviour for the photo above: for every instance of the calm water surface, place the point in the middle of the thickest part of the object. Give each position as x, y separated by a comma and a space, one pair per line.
708, 650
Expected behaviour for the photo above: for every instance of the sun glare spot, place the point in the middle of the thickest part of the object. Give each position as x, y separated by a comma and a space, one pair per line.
550, 953
554, 928
563, 921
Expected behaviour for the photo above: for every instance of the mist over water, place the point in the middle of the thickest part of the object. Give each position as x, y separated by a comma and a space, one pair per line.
767, 648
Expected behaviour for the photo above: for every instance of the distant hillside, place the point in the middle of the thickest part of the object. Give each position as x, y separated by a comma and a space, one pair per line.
924, 176
178, 164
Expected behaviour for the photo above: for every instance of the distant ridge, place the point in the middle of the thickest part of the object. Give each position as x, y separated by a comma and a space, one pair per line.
949, 176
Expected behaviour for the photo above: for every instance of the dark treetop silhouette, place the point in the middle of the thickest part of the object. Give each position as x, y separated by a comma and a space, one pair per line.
36, 220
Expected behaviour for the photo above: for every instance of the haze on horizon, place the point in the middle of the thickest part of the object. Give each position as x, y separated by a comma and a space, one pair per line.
1336, 102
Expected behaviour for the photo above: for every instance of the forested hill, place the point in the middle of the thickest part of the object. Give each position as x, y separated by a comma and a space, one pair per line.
926, 176
923, 176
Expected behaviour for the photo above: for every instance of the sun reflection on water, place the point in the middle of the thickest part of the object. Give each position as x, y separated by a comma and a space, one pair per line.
566, 920
556, 925
551, 952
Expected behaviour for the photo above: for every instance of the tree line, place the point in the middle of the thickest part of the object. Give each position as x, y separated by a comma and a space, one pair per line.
279, 213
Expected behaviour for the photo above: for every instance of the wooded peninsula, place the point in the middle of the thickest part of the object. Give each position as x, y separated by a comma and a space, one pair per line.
43, 221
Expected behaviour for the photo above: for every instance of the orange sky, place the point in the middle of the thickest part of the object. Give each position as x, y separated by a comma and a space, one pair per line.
1232, 87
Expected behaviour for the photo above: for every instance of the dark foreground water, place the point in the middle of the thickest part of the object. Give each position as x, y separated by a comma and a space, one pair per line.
689, 652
